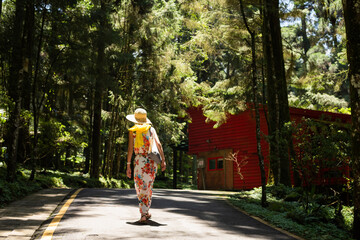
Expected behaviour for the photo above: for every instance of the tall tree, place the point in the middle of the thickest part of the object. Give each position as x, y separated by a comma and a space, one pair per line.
36, 106
98, 96
14, 89
256, 104
29, 34
0, 9
352, 23
304, 8
278, 106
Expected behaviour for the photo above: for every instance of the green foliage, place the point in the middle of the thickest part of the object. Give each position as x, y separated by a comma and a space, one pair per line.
315, 42
348, 214
321, 145
320, 92
52, 179
51, 134
3, 118
281, 191
291, 216
323, 149
20, 188
218, 56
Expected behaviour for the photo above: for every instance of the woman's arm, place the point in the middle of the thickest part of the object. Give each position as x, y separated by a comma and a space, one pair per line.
129, 154
158, 144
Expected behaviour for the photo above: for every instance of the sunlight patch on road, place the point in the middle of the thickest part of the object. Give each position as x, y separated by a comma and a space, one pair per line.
48, 234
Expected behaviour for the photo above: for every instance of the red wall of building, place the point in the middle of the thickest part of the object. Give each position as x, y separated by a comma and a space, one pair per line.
238, 133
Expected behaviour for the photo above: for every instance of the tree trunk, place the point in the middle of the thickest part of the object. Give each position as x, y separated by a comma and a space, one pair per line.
36, 108
104, 159
29, 48
14, 90
352, 24
333, 20
181, 172
70, 106
281, 89
305, 41
111, 141
96, 137
118, 166
278, 105
67, 156
24, 134
87, 150
0, 9
271, 96
256, 106
175, 157
112, 153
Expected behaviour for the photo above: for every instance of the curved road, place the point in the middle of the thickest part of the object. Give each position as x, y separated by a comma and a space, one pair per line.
176, 214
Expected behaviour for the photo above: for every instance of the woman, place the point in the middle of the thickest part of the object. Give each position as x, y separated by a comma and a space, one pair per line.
145, 168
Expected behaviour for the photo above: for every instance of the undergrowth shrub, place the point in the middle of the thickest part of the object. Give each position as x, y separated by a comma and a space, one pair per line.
51, 179
11, 191
315, 220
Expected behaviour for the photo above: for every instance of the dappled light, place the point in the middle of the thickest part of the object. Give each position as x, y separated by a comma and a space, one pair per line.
107, 213
242, 94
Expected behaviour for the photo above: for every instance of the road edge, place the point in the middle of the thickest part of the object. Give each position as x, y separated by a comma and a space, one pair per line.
263, 221
41, 229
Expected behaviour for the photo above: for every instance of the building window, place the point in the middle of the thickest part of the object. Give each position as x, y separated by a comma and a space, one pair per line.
220, 163
212, 164
215, 163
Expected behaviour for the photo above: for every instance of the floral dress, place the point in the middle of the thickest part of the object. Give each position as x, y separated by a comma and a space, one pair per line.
144, 173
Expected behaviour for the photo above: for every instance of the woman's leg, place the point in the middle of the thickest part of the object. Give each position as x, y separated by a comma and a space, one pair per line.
144, 176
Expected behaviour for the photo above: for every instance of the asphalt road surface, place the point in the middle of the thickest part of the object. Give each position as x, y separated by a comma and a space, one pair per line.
176, 214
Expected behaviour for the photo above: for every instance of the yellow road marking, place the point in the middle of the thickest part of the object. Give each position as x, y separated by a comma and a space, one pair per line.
48, 234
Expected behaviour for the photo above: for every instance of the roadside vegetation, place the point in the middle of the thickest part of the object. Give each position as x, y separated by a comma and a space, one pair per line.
22, 187
314, 217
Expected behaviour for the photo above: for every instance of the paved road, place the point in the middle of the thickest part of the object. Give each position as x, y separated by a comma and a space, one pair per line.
177, 214
20, 219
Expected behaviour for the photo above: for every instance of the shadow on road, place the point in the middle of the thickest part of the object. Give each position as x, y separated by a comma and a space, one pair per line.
147, 223
182, 210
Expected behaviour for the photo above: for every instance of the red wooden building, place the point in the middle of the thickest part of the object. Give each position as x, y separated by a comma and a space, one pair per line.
211, 147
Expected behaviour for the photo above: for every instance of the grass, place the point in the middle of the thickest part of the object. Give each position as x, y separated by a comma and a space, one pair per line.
22, 187
290, 215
